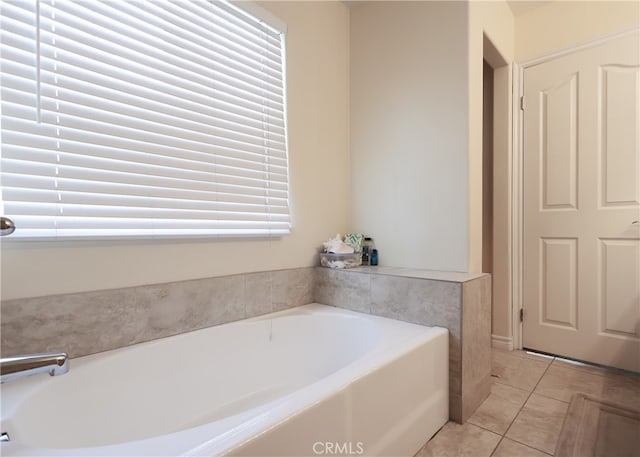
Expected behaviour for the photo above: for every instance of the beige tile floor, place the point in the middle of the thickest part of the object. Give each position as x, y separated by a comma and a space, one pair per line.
523, 415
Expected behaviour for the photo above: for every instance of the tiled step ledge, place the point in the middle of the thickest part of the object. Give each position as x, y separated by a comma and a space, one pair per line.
449, 276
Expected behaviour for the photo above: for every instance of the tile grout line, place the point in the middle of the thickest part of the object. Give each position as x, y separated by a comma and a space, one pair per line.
497, 381
523, 405
484, 428
529, 396
552, 398
497, 446
504, 435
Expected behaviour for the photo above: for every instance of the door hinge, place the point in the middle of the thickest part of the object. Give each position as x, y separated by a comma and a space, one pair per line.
522, 103
521, 314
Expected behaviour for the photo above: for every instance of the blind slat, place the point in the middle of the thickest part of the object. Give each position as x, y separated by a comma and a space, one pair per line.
17, 128
23, 146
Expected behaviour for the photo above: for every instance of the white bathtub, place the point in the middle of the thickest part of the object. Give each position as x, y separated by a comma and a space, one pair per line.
312, 380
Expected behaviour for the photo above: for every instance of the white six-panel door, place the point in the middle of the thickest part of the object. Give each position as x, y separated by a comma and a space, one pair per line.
581, 247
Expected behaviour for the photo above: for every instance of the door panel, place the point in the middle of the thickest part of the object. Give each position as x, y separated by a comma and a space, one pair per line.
619, 117
558, 300
581, 284
559, 145
620, 271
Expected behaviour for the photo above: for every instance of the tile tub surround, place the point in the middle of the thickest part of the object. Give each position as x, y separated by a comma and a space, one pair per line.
460, 302
89, 322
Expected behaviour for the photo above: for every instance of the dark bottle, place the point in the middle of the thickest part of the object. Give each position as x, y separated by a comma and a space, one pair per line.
374, 257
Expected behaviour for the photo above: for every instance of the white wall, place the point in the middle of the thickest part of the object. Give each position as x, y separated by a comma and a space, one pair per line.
318, 94
409, 131
561, 24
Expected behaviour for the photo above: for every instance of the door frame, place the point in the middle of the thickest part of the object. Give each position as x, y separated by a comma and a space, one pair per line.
517, 172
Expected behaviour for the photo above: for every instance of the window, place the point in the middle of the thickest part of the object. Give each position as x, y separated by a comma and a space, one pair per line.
142, 118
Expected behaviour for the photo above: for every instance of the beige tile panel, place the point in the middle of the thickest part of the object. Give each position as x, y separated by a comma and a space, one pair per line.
561, 383
509, 448
424, 302
342, 289
292, 287
455, 440
455, 406
79, 324
89, 322
473, 395
420, 301
498, 411
521, 372
173, 308
476, 343
270, 291
538, 424
257, 293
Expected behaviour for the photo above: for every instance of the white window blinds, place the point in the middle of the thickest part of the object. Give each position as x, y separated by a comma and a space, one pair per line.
142, 118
